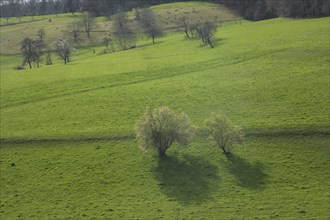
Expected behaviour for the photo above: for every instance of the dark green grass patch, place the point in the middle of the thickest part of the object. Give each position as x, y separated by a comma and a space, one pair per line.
284, 178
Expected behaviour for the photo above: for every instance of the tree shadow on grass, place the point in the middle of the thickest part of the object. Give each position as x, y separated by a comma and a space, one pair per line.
215, 42
218, 41
249, 175
189, 179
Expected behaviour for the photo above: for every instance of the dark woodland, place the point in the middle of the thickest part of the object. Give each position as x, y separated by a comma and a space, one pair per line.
248, 9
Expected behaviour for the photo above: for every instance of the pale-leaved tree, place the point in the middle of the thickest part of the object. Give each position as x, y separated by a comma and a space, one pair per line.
63, 50
148, 23
223, 133
160, 128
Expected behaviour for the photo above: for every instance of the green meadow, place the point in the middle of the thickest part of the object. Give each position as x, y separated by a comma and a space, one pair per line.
68, 149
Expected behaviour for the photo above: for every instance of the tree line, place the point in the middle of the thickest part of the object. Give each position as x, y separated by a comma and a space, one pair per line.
123, 34
249, 9
19, 8
265, 9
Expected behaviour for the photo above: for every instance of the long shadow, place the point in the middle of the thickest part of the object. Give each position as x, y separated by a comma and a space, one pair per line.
65, 140
189, 179
219, 41
216, 42
249, 175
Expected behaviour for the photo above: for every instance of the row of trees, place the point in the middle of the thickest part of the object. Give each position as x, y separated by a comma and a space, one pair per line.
158, 129
264, 9
250, 9
123, 32
20, 8
203, 29
32, 50
147, 23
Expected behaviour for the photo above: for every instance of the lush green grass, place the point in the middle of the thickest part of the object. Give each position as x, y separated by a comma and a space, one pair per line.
68, 149
256, 75
281, 178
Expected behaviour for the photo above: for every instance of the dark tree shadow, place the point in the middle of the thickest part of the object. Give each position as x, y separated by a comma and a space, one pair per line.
215, 42
249, 175
189, 179
218, 41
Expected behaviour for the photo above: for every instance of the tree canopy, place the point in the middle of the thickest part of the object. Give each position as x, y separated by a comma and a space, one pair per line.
160, 128
223, 133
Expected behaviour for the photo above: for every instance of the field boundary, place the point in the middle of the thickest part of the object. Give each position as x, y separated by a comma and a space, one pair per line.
38, 141
131, 136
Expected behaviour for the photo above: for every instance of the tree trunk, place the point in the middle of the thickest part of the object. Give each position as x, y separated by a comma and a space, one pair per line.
187, 34
210, 43
162, 153
30, 65
89, 37
153, 39
225, 151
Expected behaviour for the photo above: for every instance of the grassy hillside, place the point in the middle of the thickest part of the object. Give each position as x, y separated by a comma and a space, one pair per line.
167, 15
256, 75
67, 140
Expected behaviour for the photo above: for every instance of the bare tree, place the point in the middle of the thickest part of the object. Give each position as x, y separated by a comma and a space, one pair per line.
88, 24
206, 30
31, 51
43, 7
41, 34
183, 24
39, 51
27, 51
73, 31
148, 23
223, 133
107, 41
71, 6
160, 128
63, 50
122, 31
49, 60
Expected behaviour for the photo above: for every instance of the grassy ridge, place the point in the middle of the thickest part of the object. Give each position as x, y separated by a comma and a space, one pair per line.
68, 151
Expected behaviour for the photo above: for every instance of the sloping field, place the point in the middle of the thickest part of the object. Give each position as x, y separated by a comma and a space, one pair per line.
68, 148
14, 31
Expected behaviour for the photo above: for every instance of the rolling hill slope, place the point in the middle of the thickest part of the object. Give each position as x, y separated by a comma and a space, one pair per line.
67, 131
